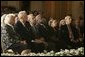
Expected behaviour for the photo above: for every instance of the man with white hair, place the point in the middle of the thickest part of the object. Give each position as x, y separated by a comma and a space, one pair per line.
22, 27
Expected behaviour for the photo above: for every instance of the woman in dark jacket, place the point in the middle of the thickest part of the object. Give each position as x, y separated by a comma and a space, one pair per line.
69, 33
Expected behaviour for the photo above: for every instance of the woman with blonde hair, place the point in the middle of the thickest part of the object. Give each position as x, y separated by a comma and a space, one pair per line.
5, 38
10, 39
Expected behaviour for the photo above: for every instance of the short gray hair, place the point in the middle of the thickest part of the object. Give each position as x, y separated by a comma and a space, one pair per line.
21, 13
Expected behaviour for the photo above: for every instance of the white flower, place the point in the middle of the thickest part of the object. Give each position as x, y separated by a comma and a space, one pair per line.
51, 54
38, 54
66, 51
81, 49
56, 54
32, 54
48, 54
10, 50
76, 52
52, 51
45, 51
25, 55
72, 51
82, 53
17, 55
42, 54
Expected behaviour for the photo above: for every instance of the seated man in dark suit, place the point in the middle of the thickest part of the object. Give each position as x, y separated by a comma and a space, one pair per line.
38, 32
22, 27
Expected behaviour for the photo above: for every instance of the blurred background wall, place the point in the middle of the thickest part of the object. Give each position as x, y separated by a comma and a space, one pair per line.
56, 9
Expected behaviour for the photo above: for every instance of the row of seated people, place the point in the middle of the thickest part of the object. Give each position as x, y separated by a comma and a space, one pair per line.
21, 32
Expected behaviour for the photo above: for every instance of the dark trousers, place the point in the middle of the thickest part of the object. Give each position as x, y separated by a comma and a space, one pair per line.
18, 47
37, 47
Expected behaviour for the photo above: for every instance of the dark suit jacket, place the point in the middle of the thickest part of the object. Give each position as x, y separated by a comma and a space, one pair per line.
64, 35
42, 30
24, 31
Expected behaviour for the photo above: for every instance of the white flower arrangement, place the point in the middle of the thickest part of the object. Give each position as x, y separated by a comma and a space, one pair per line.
66, 52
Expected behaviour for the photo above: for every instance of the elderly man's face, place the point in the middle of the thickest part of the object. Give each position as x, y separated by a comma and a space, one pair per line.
22, 15
68, 19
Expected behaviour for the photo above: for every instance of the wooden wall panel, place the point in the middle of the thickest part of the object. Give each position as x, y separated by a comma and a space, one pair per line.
56, 9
